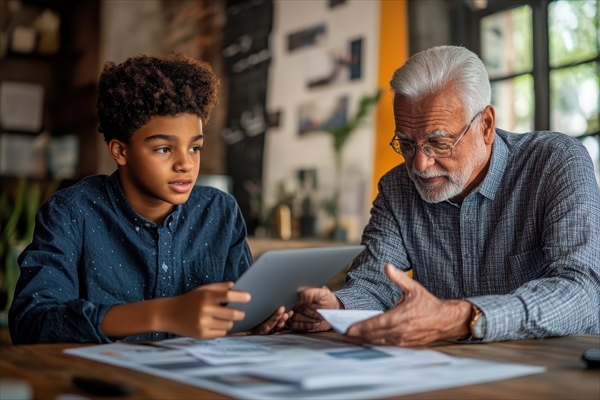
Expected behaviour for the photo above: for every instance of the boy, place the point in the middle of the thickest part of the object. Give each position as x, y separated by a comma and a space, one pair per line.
144, 250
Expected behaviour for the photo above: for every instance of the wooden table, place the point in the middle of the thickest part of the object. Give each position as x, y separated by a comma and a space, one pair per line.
49, 371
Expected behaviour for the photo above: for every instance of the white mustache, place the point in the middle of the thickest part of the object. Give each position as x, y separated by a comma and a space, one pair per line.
428, 174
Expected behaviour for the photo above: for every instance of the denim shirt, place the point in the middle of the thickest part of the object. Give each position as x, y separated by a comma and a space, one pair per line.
92, 251
524, 246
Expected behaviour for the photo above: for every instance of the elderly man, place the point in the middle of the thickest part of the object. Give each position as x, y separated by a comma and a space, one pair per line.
501, 230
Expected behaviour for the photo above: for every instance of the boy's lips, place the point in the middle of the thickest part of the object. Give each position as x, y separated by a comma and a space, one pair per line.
181, 185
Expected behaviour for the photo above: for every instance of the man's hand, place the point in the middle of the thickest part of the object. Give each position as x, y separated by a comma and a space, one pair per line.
200, 313
419, 317
306, 318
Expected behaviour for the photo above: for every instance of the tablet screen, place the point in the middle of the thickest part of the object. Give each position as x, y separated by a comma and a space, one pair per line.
275, 278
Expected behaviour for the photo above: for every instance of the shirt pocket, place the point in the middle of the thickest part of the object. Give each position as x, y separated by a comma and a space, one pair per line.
204, 272
524, 267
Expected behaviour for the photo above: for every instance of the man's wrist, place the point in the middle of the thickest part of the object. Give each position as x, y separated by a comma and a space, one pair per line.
460, 314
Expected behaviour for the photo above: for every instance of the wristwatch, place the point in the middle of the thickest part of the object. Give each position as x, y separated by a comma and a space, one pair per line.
477, 324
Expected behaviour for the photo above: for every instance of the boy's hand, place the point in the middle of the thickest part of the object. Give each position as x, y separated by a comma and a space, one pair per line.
200, 313
274, 323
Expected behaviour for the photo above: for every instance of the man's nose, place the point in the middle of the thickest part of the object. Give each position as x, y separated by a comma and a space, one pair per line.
422, 161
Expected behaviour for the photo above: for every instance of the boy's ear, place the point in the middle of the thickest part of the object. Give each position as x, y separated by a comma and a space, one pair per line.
118, 151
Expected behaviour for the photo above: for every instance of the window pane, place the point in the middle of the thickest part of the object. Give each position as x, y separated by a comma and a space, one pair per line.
573, 31
506, 45
513, 101
574, 99
592, 143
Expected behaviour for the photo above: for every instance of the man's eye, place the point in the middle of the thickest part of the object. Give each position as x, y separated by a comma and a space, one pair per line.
439, 146
162, 150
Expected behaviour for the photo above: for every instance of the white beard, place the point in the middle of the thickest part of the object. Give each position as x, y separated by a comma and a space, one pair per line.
436, 193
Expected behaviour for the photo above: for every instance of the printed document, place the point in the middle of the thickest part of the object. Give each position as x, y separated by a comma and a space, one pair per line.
294, 366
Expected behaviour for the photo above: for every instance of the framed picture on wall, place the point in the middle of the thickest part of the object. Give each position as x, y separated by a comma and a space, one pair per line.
335, 3
306, 37
322, 114
23, 155
328, 66
21, 106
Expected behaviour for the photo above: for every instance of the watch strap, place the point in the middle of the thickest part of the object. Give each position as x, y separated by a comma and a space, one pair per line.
477, 318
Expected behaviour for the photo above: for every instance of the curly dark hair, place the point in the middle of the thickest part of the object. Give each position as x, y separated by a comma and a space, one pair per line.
131, 93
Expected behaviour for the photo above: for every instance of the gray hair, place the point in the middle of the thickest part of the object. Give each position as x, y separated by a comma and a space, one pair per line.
430, 70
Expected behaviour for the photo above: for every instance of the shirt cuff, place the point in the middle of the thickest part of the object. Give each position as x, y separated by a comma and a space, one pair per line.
503, 317
100, 312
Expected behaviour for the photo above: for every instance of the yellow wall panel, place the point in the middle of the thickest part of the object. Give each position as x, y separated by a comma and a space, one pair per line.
393, 52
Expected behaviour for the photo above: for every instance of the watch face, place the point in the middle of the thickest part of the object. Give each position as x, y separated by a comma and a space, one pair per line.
479, 328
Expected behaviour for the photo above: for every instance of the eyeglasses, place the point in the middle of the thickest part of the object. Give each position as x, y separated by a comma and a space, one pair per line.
438, 150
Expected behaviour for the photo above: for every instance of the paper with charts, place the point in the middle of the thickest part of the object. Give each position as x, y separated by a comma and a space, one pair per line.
296, 366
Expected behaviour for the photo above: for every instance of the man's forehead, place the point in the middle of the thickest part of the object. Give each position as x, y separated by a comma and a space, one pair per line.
433, 116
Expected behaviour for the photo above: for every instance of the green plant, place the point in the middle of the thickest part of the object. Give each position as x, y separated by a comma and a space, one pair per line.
340, 136
17, 218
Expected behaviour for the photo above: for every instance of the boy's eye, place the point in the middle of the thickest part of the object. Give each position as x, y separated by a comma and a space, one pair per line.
162, 150
195, 149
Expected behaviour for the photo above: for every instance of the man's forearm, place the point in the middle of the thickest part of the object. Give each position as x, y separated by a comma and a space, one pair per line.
540, 309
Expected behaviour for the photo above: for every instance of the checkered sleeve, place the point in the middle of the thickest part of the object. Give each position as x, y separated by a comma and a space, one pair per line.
367, 287
565, 299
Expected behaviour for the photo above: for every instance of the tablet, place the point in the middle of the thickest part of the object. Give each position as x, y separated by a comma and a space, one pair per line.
274, 279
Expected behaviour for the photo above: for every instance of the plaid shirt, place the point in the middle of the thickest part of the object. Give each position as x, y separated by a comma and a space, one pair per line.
524, 246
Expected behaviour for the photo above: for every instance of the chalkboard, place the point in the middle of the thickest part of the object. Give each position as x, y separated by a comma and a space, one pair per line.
246, 62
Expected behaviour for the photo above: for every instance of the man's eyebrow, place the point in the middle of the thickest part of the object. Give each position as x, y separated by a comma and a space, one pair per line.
438, 134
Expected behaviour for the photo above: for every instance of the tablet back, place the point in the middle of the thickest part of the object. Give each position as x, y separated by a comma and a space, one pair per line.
274, 279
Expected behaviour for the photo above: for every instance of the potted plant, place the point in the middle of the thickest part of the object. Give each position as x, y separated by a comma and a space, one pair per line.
340, 136
17, 218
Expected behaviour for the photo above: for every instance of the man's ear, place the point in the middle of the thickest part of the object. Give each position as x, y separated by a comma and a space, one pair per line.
488, 119
118, 151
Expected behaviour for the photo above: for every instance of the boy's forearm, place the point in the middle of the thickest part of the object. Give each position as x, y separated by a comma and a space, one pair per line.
135, 318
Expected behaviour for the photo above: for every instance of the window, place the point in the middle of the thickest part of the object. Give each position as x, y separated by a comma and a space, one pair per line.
544, 65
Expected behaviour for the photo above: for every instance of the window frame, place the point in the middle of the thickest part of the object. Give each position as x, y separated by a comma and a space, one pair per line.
466, 30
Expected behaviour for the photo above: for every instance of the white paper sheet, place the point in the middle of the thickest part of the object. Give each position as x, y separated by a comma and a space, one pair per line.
341, 320
302, 367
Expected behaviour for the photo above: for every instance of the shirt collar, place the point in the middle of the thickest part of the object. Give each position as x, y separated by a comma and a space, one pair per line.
499, 159
121, 204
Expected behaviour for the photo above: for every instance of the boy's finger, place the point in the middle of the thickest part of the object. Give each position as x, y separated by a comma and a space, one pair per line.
220, 324
232, 296
225, 313
217, 286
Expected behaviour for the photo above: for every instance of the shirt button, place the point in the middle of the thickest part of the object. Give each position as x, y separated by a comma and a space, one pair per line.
137, 228
147, 224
